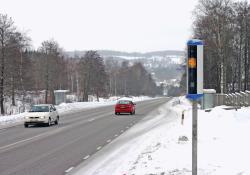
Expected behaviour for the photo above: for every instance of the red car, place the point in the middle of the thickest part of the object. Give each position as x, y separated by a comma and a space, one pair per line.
125, 106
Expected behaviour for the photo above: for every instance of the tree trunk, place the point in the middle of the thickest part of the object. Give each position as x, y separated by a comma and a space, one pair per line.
1, 91
246, 60
47, 82
85, 97
97, 96
2, 78
248, 41
115, 86
222, 79
53, 101
239, 63
85, 92
13, 92
46, 96
72, 83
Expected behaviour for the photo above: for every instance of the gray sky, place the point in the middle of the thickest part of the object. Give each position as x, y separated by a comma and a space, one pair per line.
124, 25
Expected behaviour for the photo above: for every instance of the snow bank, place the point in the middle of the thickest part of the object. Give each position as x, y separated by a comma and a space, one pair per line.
72, 107
161, 145
10, 119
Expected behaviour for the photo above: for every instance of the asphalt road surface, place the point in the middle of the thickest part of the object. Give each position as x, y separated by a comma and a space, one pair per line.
55, 150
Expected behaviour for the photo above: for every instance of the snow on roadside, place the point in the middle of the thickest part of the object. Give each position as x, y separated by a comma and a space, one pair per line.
223, 145
165, 148
10, 119
77, 106
70, 107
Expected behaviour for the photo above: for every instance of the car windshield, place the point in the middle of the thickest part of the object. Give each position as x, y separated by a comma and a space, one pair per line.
124, 102
39, 109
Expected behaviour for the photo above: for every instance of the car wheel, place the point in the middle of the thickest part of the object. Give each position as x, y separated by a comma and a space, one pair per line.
26, 125
57, 120
49, 122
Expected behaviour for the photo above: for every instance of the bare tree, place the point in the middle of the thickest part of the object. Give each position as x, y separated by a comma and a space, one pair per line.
112, 67
50, 67
213, 24
94, 77
6, 30
15, 64
242, 25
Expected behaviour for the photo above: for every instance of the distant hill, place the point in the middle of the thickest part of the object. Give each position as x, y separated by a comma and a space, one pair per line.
110, 53
163, 65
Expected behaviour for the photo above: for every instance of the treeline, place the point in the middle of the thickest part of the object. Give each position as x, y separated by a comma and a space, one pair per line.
126, 79
224, 26
92, 75
24, 70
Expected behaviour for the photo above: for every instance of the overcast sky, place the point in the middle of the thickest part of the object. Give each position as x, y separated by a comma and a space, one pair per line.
123, 25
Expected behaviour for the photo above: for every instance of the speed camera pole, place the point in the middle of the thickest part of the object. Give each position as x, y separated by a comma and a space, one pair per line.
194, 90
194, 138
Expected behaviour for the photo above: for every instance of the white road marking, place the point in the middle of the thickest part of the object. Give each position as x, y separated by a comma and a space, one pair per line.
68, 170
116, 135
91, 120
99, 148
34, 137
21, 141
122, 131
86, 157
127, 127
108, 141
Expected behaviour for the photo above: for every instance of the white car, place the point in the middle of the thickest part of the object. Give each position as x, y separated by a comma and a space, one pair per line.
41, 114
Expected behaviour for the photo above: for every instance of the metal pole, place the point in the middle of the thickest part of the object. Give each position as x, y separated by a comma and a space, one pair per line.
194, 138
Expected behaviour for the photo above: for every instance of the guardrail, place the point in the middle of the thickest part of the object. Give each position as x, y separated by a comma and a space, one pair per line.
237, 99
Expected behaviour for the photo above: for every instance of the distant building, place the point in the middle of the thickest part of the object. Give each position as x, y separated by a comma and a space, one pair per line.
60, 96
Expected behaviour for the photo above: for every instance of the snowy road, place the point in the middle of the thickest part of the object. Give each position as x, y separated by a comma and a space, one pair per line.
57, 149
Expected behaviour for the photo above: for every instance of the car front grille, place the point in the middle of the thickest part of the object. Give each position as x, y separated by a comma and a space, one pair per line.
34, 117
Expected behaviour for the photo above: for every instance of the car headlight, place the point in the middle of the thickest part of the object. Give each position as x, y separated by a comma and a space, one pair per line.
43, 117
26, 117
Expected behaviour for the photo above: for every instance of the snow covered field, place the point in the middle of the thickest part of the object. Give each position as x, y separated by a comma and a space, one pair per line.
154, 147
70, 107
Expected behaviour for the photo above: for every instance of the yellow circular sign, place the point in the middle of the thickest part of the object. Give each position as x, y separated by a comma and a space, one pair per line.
192, 63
